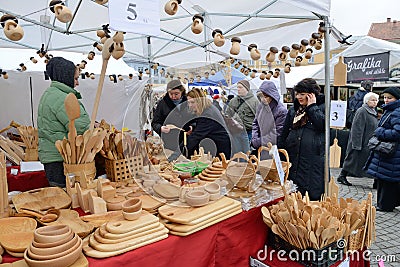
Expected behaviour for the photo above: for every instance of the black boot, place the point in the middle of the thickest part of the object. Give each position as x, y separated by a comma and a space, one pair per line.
343, 180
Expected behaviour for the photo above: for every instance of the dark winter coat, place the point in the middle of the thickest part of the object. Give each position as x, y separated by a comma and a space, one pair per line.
167, 112
209, 125
356, 101
363, 127
387, 167
306, 148
269, 120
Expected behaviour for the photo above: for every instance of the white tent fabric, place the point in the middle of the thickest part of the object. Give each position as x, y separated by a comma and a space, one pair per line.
120, 102
364, 46
265, 23
11, 58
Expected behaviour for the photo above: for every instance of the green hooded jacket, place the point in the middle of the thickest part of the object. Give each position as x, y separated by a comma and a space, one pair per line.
245, 111
53, 121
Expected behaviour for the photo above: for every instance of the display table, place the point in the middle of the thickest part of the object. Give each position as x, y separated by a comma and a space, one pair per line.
25, 181
228, 243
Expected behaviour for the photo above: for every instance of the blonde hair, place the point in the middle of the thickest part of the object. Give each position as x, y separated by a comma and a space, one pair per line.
201, 99
368, 96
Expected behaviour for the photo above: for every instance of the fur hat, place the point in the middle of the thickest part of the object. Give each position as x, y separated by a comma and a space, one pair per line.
245, 84
394, 91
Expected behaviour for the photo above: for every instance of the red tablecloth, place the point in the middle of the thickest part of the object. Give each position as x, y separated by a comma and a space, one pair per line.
25, 181
228, 243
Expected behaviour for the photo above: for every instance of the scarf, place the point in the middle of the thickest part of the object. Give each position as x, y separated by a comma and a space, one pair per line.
300, 118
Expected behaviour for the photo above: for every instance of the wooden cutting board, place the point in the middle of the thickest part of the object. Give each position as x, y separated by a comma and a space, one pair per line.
166, 190
72, 219
121, 227
42, 198
127, 236
98, 219
340, 73
185, 230
91, 252
185, 215
110, 236
16, 233
150, 203
335, 152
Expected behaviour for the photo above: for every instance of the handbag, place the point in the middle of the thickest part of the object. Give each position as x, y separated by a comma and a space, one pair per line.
381, 147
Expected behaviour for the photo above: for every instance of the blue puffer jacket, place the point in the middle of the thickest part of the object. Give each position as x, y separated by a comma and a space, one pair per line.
383, 167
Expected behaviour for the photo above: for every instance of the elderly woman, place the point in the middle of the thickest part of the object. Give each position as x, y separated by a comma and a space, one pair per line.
364, 124
209, 126
303, 136
386, 168
270, 116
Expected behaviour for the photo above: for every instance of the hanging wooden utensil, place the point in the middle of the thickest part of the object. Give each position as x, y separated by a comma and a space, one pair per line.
335, 152
72, 109
340, 73
333, 189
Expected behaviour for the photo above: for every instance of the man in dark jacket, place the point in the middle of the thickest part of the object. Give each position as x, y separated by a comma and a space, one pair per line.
356, 101
171, 109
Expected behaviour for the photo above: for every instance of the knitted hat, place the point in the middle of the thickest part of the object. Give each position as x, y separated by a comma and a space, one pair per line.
394, 91
61, 70
174, 84
245, 84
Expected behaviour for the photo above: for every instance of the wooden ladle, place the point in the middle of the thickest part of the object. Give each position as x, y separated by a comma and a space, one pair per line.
73, 111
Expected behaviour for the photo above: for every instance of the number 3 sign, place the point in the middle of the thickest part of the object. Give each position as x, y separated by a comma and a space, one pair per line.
136, 16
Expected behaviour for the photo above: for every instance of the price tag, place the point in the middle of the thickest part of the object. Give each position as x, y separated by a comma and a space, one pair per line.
338, 113
136, 16
275, 155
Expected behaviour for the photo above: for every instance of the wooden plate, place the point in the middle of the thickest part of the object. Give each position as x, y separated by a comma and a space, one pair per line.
98, 219
72, 219
16, 233
150, 203
42, 198
166, 190
206, 178
210, 175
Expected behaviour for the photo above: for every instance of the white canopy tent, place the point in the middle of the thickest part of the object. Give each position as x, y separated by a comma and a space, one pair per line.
265, 23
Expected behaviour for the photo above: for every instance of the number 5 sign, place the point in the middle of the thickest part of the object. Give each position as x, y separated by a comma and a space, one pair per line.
136, 16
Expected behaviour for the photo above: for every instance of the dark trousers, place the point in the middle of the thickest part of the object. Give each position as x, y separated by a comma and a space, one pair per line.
55, 173
388, 195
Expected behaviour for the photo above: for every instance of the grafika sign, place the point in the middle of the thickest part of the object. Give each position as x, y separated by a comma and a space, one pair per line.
368, 67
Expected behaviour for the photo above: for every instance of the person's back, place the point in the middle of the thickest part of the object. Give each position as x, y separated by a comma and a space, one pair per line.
356, 101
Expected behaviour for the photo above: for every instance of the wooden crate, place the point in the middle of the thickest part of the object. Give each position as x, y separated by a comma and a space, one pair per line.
123, 169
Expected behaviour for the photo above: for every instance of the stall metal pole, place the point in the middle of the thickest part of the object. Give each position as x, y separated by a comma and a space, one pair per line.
327, 102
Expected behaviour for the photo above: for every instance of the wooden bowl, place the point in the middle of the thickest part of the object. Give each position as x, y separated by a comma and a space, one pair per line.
74, 244
132, 205
212, 188
197, 198
63, 261
131, 216
52, 233
115, 203
56, 249
53, 244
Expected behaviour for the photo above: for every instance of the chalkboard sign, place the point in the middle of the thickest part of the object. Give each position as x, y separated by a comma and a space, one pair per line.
368, 67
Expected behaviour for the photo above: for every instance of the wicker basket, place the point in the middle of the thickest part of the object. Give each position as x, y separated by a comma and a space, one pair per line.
31, 154
267, 168
355, 240
242, 174
123, 169
84, 173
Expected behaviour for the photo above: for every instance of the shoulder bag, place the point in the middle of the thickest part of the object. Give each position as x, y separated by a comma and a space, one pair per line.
381, 147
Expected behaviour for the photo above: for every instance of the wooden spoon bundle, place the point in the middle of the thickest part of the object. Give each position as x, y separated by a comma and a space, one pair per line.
304, 223
12, 151
86, 146
29, 136
121, 145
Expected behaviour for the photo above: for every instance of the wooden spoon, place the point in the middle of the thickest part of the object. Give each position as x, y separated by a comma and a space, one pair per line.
78, 143
72, 108
314, 240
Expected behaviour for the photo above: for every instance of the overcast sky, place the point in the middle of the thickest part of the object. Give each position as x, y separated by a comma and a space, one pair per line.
355, 16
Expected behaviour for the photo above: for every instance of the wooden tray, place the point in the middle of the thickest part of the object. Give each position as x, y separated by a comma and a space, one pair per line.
150, 203
98, 219
42, 198
127, 236
121, 227
72, 219
166, 190
91, 252
185, 230
16, 233
186, 215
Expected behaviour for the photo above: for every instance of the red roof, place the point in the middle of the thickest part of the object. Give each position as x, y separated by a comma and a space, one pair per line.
389, 30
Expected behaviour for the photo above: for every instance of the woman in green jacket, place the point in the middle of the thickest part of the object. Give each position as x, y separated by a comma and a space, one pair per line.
52, 119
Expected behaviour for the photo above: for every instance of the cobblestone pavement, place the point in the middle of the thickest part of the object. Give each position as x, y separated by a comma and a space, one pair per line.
387, 244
